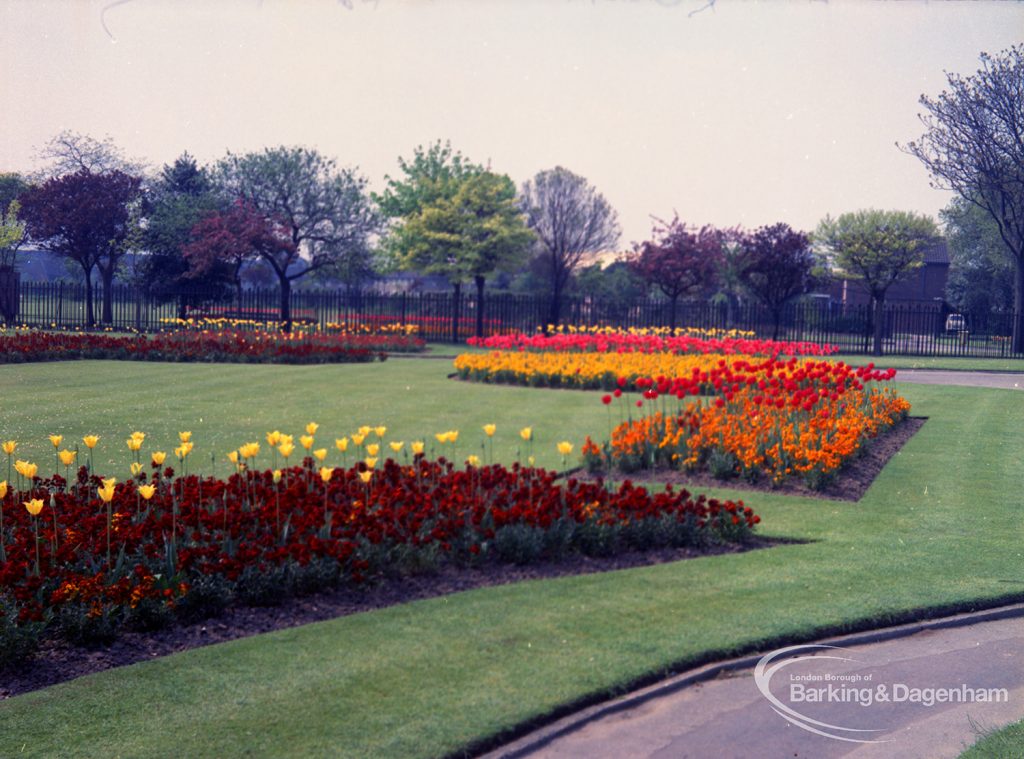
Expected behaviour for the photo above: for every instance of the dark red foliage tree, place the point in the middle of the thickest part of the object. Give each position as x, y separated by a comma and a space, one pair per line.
233, 237
679, 260
87, 218
777, 266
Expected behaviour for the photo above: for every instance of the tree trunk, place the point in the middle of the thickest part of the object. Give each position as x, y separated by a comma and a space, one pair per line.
555, 309
107, 275
1018, 306
479, 305
456, 307
879, 324
286, 303
9, 296
90, 317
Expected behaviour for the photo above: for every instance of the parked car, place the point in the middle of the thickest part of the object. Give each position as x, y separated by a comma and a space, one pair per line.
956, 323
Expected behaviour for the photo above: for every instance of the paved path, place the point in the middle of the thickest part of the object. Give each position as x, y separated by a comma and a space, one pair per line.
728, 717
1006, 380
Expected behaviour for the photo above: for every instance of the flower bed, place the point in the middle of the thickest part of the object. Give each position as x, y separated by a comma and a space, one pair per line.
638, 342
203, 323
205, 345
753, 419
81, 559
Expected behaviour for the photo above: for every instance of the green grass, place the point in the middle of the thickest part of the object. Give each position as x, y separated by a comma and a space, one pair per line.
939, 528
1007, 743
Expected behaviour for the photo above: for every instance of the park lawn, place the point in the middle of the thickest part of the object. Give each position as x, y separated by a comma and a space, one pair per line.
998, 744
946, 363
937, 530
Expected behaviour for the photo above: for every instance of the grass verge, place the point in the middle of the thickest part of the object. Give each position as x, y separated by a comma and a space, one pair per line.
936, 531
1007, 743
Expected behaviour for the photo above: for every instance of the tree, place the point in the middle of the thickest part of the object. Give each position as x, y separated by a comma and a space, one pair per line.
326, 211
974, 145
479, 230
12, 231
679, 260
70, 152
433, 173
571, 220
86, 218
180, 198
878, 248
778, 265
229, 239
980, 279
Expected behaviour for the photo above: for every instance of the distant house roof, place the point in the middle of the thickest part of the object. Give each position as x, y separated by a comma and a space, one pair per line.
937, 253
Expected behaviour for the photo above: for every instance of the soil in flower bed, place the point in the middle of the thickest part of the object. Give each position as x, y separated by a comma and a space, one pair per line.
57, 661
849, 484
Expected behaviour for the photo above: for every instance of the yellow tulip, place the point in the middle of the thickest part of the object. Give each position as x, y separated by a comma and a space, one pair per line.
489, 430
136, 467
565, 448
56, 440
133, 443
473, 461
526, 433
320, 454
417, 448
147, 491
233, 457
140, 436
25, 469
159, 457
106, 494
274, 438
34, 506
289, 439
365, 476
341, 444
358, 437
371, 461
67, 458
181, 452
396, 447
9, 447
91, 440
109, 482
311, 428
453, 436
326, 473
364, 430
372, 449
249, 450
442, 437
307, 441
3, 490
380, 430
286, 449
184, 436
276, 476
531, 461
187, 447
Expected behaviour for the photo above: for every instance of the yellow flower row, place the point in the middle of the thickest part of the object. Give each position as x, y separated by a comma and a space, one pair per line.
579, 370
714, 332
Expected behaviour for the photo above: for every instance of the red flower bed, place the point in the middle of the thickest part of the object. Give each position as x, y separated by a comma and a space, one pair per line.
82, 567
214, 346
624, 342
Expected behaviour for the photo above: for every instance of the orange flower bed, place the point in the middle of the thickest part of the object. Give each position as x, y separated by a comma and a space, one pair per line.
767, 419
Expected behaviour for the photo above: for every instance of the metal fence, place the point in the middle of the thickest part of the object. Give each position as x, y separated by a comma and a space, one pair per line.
922, 330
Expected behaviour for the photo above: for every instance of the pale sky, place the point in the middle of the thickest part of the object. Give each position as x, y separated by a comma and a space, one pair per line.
744, 113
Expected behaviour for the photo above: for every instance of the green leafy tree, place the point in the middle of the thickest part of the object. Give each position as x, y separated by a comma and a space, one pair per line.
182, 196
325, 212
974, 145
980, 280
878, 248
612, 290
467, 237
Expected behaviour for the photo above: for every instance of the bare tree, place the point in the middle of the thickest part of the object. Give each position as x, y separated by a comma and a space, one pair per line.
974, 145
70, 152
571, 220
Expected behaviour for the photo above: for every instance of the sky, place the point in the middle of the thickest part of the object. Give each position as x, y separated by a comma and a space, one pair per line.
739, 113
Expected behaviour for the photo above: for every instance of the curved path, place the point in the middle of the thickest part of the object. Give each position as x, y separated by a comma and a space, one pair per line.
914, 692
723, 711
